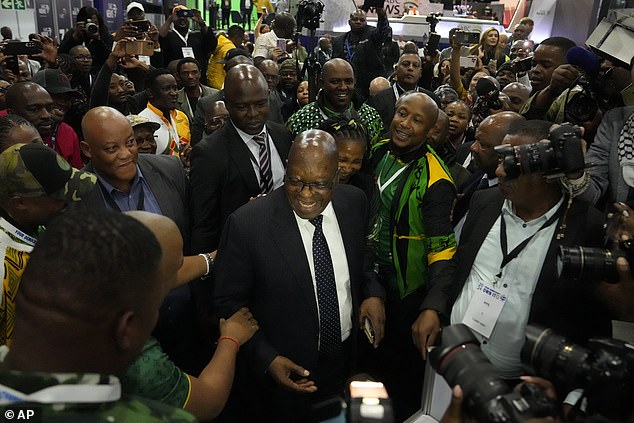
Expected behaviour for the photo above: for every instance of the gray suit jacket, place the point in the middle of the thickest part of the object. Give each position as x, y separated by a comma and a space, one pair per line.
183, 104
606, 175
167, 180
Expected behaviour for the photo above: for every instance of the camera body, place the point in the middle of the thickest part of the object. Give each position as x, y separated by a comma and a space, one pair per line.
92, 27
605, 370
522, 65
488, 397
309, 14
432, 20
561, 153
467, 37
185, 13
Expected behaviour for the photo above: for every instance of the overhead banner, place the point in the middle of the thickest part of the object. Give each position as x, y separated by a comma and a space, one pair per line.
44, 17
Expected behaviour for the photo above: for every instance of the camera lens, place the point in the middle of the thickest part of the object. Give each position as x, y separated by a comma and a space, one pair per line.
460, 361
581, 108
591, 264
92, 28
552, 356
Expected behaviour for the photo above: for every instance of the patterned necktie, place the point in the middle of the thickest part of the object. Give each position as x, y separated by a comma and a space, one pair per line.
329, 324
266, 175
484, 183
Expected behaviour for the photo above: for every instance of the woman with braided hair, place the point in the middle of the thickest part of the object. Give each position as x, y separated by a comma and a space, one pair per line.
352, 145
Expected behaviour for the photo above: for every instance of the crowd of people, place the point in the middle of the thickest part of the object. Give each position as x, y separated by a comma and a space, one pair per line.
175, 219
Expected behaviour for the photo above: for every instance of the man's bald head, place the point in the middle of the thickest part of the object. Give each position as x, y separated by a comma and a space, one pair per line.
101, 121
247, 98
489, 135
415, 114
171, 241
439, 133
18, 92
312, 160
33, 103
518, 93
335, 65
110, 145
379, 84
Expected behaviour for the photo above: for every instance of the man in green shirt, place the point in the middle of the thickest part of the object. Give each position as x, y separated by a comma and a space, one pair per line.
88, 302
335, 98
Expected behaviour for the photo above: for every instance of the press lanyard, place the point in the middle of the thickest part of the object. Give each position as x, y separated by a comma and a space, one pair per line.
506, 256
185, 38
12, 230
140, 203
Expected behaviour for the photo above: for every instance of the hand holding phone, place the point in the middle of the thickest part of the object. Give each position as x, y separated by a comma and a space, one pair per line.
369, 330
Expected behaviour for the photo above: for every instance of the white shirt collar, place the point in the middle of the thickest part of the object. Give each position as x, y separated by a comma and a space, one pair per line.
328, 214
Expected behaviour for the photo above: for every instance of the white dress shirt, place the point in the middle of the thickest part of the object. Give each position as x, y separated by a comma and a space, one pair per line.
519, 276
330, 227
277, 168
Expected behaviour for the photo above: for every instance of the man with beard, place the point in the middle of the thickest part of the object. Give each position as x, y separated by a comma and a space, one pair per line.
174, 135
34, 103
178, 41
335, 98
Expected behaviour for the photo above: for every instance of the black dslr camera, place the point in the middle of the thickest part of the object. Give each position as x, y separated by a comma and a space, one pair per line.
561, 153
309, 14
605, 370
488, 398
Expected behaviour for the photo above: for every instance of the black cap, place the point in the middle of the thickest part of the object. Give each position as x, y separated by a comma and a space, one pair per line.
54, 81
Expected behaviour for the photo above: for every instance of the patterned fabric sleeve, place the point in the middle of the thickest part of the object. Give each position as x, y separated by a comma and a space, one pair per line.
153, 375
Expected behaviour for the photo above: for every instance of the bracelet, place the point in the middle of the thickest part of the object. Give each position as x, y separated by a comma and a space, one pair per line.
209, 261
232, 339
576, 187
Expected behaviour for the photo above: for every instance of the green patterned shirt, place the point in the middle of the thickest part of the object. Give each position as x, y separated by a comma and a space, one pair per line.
103, 402
311, 115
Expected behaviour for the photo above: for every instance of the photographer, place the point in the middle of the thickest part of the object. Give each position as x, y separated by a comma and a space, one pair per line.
91, 31
179, 41
283, 27
508, 246
611, 177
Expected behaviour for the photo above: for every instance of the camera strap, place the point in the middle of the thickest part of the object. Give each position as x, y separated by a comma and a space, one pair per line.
506, 256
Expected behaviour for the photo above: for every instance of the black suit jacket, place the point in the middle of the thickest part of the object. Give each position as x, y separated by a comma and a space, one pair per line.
167, 180
568, 307
222, 180
262, 264
384, 102
338, 42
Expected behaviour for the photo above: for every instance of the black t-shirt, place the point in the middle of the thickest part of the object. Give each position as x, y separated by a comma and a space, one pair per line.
201, 44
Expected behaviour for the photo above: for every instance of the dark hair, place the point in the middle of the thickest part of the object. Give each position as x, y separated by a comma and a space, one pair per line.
7, 123
91, 261
87, 12
235, 31
538, 129
562, 43
66, 64
152, 76
186, 60
347, 126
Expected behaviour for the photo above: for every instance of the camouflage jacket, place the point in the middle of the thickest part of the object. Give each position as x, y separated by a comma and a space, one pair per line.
21, 390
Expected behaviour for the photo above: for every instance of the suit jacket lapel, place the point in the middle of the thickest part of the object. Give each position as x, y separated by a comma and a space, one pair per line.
286, 235
156, 183
280, 141
241, 156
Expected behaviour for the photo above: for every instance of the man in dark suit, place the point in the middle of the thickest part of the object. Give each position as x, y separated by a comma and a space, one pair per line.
246, 9
408, 73
240, 161
296, 258
367, 41
509, 245
489, 134
156, 184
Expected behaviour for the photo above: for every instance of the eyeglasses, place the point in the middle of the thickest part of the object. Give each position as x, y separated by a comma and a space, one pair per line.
297, 185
